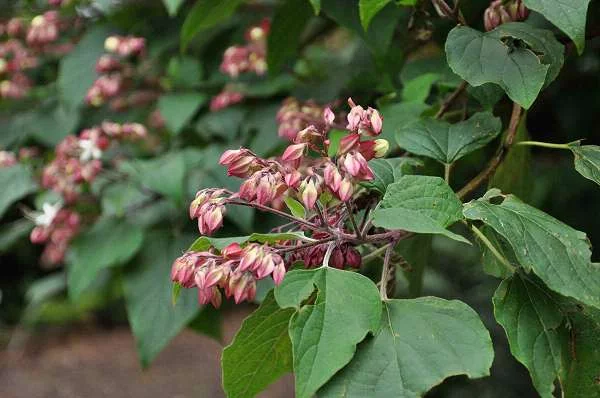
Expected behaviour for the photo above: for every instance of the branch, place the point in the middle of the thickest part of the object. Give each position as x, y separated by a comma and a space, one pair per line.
450, 100
493, 164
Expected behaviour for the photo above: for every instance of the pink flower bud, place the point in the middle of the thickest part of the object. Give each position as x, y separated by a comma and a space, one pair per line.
346, 190
348, 143
292, 179
309, 193
376, 122
232, 251
332, 177
279, 272
328, 116
39, 235
337, 259
293, 152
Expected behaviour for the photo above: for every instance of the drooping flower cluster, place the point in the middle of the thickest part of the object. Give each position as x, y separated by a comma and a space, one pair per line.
55, 227
235, 270
78, 159
125, 79
294, 116
504, 11
250, 58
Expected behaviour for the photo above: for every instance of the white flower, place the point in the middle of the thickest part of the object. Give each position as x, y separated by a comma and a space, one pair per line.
89, 150
47, 215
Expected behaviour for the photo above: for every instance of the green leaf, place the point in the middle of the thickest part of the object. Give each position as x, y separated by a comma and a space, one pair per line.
532, 321
316, 5
204, 243
582, 377
481, 58
164, 174
16, 182
153, 318
514, 173
117, 197
10, 233
109, 242
204, 15
421, 342
416, 251
487, 94
569, 16
557, 253
184, 71
420, 204
541, 41
368, 9
491, 264
276, 237
296, 208
398, 115
447, 142
178, 109
417, 89
173, 6
587, 161
387, 171
260, 353
287, 26
208, 322
325, 334
76, 72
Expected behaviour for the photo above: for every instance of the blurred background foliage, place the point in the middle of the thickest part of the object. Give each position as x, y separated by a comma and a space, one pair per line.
117, 270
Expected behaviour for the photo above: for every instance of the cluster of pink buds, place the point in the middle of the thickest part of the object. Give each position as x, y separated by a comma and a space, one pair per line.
503, 11
209, 208
229, 96
7, 159
295, 116
55, 227
235, 271
44, 29
78, 159
252, 56
123, 76
14, 60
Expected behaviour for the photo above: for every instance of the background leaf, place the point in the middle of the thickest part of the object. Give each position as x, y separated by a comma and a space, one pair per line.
587, 161
173, 6
178, 109
206, 14
17, 182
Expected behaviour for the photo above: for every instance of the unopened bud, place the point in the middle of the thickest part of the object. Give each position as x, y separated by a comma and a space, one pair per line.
111, 44
381, 147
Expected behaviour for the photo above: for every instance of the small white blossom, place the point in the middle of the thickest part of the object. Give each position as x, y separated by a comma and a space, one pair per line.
89, 150
47, 215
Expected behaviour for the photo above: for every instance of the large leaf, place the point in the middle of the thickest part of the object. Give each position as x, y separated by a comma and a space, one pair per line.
482, 58
557, 253
110, 242
568, 15
16, 182
416, 251
325, 334
260, 352
154, 319
76, 73
417, 90
532, 321
204, 15
10, 233
582, 377
178, 109
398, 115
173, 6
387, 171
288, 24
368, 9
419, 204
587, 161
421, 342
447, 142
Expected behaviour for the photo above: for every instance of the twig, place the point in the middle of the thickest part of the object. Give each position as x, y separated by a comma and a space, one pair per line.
450, 100
357, 231
277, 212
385, 271
493, 164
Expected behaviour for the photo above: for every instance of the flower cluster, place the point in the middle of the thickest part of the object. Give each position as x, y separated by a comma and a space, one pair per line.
7, 159
235, 270
78, 158
250, 58
503, 11
124, 75
55, 227
325, 185
294, 116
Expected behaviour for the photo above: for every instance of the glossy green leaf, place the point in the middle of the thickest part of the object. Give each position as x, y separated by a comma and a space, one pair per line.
178, 109
387, 171
398, 115
447, 142
76, 73
421, 342
204, 15
16, 182
260, 353
287, 26
568, 15
555, 252
481, 58
295, 207
420, 204
587, 161
109, 242
368, 9
153, 317
491, 264
173, 6
532, 321
325, 333
417, 89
